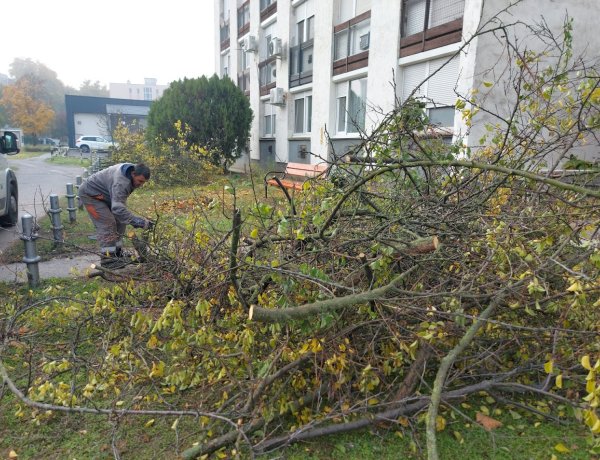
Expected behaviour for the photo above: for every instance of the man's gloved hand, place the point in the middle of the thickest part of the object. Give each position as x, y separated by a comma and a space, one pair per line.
139, 222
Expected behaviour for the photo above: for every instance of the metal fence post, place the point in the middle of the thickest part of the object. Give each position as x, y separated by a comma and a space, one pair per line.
31, 257
71, 203
78, 182
55, 217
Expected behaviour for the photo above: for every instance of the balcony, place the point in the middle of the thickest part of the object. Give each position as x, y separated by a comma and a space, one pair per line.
301, 63
430, 24
224, 35
351, 44
267, 73
243, 13
267, 9
244, 81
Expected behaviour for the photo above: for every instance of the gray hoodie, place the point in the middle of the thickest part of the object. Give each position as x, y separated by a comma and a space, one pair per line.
113, 186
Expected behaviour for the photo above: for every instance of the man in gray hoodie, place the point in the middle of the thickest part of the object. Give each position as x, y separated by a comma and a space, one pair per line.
104, 195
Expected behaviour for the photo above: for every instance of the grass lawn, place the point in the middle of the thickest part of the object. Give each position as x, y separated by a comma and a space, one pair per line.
60, 160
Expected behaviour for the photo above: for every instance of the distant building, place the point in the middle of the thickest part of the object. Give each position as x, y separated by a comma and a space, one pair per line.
99, 116
148, 91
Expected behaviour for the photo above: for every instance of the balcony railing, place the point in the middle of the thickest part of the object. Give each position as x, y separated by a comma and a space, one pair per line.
243, 13
224, 34
244, 81
430, 24
267, 8
301, 63
267, 75
351, 44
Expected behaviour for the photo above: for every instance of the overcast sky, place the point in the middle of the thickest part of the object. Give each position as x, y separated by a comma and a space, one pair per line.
111, 41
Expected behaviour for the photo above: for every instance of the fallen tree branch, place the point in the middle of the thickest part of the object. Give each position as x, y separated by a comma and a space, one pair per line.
284, 315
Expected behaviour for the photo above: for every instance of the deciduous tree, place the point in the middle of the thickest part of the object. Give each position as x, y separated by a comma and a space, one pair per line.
25, 106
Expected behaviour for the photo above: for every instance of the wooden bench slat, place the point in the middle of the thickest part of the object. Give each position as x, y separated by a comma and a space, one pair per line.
301, 171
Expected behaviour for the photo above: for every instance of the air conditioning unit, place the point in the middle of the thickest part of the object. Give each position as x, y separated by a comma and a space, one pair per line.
249, 43
275, 47
277, 97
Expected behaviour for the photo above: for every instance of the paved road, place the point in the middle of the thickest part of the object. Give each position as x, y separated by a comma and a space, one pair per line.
37, 179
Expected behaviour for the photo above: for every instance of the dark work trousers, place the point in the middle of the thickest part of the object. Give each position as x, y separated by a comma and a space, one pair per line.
108, 231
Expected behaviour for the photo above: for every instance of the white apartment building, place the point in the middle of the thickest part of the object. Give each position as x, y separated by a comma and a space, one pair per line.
148, 91
317, 72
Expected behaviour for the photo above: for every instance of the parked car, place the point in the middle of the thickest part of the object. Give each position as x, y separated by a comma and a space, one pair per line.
9, 190
88, 143
48, 141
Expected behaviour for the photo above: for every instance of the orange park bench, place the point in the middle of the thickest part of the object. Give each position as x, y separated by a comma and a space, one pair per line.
293, 177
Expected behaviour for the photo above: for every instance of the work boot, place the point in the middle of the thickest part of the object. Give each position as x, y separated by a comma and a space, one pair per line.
111, 261
120, 252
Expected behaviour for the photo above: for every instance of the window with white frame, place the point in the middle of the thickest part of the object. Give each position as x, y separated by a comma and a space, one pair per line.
351, 106
225, 65
301, 50
302, 114
147, 93
243, 60
434, 81
269, 119
269, 33
440, 12
347, 9
352, 40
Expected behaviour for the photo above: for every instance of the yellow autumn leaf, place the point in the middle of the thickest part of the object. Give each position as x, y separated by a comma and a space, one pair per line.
175, 423
254, 233
575, 287
560, 447
152, 341
585, 362
488, 84
596, 427
549, 367
158, 369
149, 423
440, 423
12, 454
559, 381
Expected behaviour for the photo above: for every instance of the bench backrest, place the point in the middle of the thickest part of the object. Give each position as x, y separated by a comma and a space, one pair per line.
305, 170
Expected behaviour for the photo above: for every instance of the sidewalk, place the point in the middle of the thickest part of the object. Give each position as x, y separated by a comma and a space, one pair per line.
68, 267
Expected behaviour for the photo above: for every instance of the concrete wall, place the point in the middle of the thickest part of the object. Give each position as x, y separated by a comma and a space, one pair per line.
488, 60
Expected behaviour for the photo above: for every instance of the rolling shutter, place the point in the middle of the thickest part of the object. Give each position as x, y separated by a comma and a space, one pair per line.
440, 88
413, 75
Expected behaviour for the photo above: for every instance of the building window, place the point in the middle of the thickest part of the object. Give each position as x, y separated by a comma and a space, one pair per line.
147, 94
351, 106
301, 54
225, 64
352, 40
433, 82
266, 3
243, 18
347, 9
269, 120
430, 24
421, 15
302, 114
